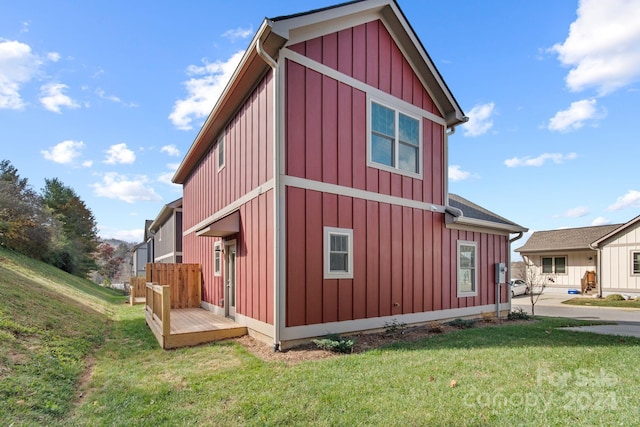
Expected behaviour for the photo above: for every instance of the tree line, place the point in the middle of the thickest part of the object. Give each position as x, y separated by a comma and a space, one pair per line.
54, 226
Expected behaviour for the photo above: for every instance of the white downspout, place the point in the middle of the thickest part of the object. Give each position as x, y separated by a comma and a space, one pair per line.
276, 196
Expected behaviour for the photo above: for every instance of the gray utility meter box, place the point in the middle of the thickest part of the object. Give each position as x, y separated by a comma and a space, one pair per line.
501, 273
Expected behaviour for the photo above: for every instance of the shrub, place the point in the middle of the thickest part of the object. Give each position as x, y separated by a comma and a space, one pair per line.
335, 343
435, 327
518, 314
394, 327
461, 323
489, 317
614, 297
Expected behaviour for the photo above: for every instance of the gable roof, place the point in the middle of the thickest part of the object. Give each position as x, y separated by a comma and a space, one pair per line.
617, 230
274, 34
165, 214
566, 238
472, 214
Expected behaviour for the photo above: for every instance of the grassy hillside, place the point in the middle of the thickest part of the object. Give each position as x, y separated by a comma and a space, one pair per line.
49, 322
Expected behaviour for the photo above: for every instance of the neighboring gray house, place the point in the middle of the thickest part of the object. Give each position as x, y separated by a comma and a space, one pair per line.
608, 255
139, 260
166, 231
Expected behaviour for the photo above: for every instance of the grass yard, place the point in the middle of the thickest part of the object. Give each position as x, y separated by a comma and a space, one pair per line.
601, 302
527, 373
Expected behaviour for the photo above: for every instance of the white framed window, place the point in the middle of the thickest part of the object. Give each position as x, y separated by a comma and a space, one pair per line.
554, 265
338, 253
467, 268
221, 153
635, 262
217, 259
394, 139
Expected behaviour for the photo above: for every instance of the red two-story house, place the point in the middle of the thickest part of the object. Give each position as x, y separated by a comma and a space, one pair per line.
315, 195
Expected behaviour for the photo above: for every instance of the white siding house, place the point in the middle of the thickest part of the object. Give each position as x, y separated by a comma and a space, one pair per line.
619, 255
566, 259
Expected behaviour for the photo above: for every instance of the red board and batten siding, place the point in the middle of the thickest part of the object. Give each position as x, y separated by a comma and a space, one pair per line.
248, 164
404, 260
326, 119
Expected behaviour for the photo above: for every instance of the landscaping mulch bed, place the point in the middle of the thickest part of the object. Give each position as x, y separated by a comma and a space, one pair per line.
364, 341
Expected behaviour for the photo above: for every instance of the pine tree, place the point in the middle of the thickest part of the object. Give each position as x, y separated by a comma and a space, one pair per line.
77, 251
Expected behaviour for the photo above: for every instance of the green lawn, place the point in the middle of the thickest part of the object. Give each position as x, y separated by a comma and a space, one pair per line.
601, 302
528, 373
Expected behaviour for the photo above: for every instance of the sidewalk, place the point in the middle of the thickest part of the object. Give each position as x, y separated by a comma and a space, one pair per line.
626, 321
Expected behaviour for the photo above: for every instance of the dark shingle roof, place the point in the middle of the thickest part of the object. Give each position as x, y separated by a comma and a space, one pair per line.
565, 239
471, 210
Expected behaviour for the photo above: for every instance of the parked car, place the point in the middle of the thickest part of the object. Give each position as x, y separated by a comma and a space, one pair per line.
518, 287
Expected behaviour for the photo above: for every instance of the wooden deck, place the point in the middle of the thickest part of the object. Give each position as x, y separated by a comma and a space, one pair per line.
193, 326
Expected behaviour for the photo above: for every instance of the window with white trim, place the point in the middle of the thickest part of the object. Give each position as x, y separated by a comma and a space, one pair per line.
217, 259
635, 262
554, 265
467, 268
338, 253
220, 153
394, 139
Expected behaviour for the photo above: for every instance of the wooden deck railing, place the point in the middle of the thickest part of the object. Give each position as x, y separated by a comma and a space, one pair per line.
158, 311
137, 290
588, 281
184, 281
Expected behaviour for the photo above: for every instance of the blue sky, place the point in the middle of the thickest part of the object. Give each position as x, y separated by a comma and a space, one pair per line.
108, 97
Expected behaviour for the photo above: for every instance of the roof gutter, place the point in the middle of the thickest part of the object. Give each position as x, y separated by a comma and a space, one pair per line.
452, 129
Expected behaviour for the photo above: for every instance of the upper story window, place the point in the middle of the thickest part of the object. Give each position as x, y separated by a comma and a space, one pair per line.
221, 152
394, 140
554, 265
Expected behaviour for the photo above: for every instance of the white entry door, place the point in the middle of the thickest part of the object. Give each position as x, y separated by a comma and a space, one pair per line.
230, 280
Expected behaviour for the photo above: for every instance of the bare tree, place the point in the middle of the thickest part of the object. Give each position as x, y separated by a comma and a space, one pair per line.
536, 281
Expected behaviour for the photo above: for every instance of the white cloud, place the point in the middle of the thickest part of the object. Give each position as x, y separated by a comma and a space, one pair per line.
52, 98
65, 152
238, 33
556, 158
577, 212
53, 56
171, 150
113, 98
457, 174
603, 46
119, 153
629, 200
130, 190
575, 117
204, 87
480, 120
18, 65
101, 93
166, 177
600, 221
87, 163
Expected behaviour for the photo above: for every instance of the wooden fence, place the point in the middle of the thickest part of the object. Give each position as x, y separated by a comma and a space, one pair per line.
184, 281
137, 290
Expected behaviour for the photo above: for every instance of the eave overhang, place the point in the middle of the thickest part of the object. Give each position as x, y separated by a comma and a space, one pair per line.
242, 82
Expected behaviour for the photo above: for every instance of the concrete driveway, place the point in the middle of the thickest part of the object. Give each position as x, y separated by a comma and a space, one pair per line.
626, 320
